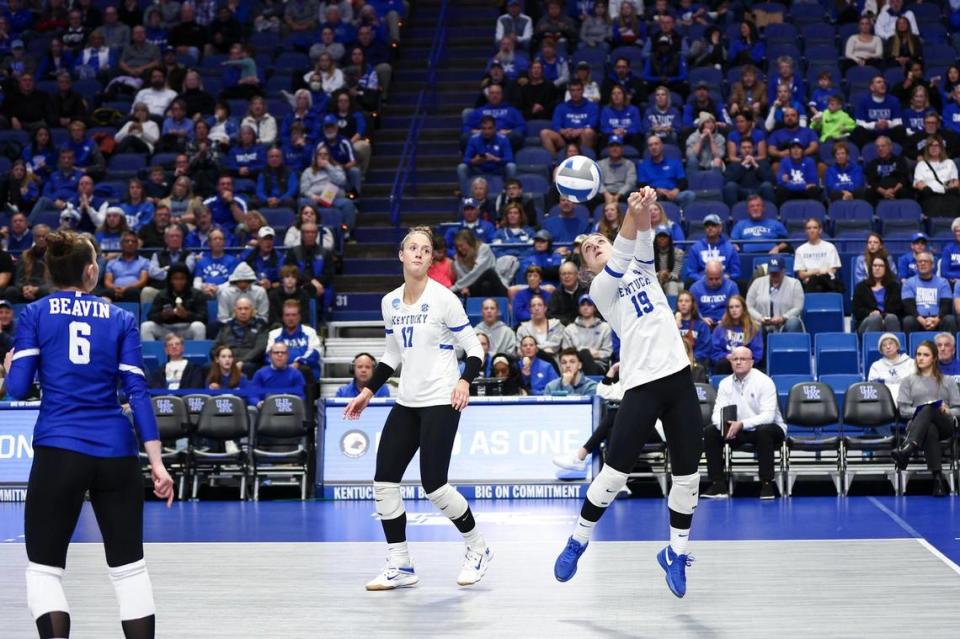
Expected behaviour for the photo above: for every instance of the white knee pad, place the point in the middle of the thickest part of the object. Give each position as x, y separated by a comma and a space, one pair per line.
134, 590
684, 493
450, 502
45, 590
387, 497
606, 486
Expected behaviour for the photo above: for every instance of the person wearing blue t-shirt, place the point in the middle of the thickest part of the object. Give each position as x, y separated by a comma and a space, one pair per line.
566, 225
797, 176
246, 158
81, 349
713, 247
927, 300
621, 118
533, 274
951, 111
878, 113
758, 227
573, 121
363, 365
510, 122
947, 355
907, 264
213, 269
735, 328
227, 208
487, 153
662, 118
844, 179
692, 328
125, 276
949, 264
778, 142
665, 175
711, 293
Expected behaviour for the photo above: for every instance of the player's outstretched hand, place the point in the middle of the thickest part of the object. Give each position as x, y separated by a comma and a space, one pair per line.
356, 406
461, 395
162, 483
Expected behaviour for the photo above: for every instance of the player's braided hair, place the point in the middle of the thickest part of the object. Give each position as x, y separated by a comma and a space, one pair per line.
68, 254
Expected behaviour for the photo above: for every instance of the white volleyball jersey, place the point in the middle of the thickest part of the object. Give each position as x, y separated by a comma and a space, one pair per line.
629, 296
423, 337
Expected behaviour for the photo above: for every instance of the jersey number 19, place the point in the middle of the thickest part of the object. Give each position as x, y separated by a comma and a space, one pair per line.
79, 344
641, 303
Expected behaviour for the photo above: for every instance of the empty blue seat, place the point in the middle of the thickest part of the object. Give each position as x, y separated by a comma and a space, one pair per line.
710, 75
633, 54
777, 33
904, 216
823, 313
852, 217
837, 353
279, 217
819, 33
806, 12
788, 354
921, 336
533, 159
840, 384
708, 185
131, 307
861, 76
533, 183
153, 355
794, 213
870, 346
126, 165
198, 351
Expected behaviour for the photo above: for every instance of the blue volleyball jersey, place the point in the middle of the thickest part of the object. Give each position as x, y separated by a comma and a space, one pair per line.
81, 347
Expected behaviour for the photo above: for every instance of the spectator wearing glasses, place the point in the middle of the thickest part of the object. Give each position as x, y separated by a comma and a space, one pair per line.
758, 422
279, 376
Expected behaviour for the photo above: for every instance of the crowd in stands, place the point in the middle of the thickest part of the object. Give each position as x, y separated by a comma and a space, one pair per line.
214, 152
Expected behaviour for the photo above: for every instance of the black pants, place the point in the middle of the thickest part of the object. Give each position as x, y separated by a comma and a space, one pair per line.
488, 284
672, 399
948, 324
784, 194
822, 284
602, 432
431, 429
926, 430
590, 365
58, 480
767, 438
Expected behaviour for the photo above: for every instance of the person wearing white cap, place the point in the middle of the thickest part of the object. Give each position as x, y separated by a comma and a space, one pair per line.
242, 283
714, 246
265, 260
893, 367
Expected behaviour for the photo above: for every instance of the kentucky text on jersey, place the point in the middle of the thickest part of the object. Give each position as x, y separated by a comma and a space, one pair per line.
403, 320
641, 281
79, 307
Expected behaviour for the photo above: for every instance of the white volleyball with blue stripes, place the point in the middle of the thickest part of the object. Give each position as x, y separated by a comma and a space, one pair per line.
578, 179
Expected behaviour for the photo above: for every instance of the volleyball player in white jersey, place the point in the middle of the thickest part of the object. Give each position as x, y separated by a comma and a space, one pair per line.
424, 323
655, 373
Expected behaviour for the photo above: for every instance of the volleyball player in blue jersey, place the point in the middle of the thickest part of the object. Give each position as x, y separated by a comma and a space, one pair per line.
81, 346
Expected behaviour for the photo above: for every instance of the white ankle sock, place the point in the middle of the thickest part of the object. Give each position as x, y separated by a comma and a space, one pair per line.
583, 530
679, 539
474, 540
399, 554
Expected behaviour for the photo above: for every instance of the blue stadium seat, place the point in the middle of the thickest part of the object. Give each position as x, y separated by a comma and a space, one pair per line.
533, 159
933, 33
734, 73
710, 75
475, 315
788, 354
778, 48
823, 313
279, 217
131, 307
292, 60
850, 217
893, 75
794, 213
762, 260
739, 211
534, 127
198, 351
815, 67
925, 12
857, 76
11, 135
921, 336
819, 33
633, 54
840, 383
778, 33
153, 355
904, 216
716, 379
805, 12
870, 348
837, 353
126, 165
708, 185
594, 57
533, 183
166, 160
786, 382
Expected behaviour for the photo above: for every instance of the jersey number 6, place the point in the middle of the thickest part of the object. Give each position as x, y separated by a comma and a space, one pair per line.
79, 344
407, 334
642, 304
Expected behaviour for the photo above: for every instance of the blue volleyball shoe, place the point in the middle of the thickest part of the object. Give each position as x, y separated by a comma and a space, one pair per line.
566, 565
675, 567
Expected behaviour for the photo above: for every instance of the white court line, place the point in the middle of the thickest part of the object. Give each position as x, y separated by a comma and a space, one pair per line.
939, 555
916, 535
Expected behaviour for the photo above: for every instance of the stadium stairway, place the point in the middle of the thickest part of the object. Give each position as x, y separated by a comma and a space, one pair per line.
370, 266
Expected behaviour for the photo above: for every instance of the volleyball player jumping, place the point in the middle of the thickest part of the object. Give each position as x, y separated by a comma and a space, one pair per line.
655, 373
423, 319
81, 347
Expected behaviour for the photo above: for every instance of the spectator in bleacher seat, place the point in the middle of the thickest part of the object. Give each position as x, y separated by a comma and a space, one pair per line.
747, 176
245, 335
477, 269
278, 376
949, 264
241, 80
775, 300
619, 174
480, 192
709, 50
668, 261
556, 68
523, 294
781, 139
705, 146
177, 373
487, 153
664, 174
817, 263
31, 280
873, 248
263, 124
932, 128
661, 118
213, 268
700, 103
535, 371
289, 289
572, 380
797, 177
748, 96
665, 66
936, 182
99, 59
116, 34
138, 210
40, 155
501, 337
758, 422
916, 110
301, 340
441, 266
225, 30
150, 235
470, 220
7, 270
555, 24
514, 63
156, 95
67, 105
623, 76
596, 30
537, 96
611, 219
575, 120
931, 403
547, 331
565, 301
622, 119
878, 113
126, 275
844, 178
226, 208
199, 237
60, 187
342, 152
820, 97
18, 238
903, 47
172, 253
276, 183
139, 134
177, 128
20, 189
513, 229
565, 226
86, 153
696, 334
907, 264
226, 370
888, 16
264, 259
758, 227
242, 283
714, 246
363, 365
832, 123
156, 186
375, 52
177, 310
247, 157
315, 263
951, 112
747, 48
927, 300
323, 184
786, 75
893, 366
863, 47
306, 214
736, 328
658, 217
590, 336
947, 355
712, 292
186, 36
888, 176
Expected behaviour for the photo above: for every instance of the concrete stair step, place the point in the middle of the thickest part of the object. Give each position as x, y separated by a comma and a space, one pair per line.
366, 283
387, 267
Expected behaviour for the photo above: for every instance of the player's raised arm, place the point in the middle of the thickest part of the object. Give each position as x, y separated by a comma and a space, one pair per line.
638, 209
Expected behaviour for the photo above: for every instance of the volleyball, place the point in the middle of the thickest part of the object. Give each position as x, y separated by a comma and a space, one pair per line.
578, 179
